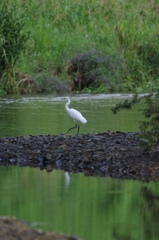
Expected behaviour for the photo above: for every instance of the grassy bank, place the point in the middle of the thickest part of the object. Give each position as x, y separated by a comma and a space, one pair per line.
93, 46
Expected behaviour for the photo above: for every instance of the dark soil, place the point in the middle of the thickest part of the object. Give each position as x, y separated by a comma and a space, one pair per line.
12, 229
113, 154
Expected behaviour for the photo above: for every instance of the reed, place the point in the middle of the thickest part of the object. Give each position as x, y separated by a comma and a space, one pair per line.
61, 29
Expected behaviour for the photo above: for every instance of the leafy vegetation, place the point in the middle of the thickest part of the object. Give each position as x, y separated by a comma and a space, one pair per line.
94, 71
149, 136
12, 42
125, 32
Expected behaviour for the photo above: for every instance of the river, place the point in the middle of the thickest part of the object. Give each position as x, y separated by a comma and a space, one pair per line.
89, 207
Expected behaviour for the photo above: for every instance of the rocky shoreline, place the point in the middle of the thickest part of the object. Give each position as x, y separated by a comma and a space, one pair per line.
13, 229
109, 154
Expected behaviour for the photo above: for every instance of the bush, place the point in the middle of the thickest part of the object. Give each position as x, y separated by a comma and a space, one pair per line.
40, 83
149, 137
12, 42
93, 70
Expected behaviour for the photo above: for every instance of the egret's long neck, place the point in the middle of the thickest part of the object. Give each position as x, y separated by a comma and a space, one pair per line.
67, 104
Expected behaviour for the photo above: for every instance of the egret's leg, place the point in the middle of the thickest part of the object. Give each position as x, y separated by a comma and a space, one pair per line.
71, 128
78, 128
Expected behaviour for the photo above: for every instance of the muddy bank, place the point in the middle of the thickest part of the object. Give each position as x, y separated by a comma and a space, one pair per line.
12, 229
113, 154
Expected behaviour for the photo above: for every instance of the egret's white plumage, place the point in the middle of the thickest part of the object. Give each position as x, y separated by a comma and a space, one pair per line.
74, 114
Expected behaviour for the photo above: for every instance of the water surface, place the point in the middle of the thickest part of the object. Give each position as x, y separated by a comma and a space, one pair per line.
47, 115
90, 207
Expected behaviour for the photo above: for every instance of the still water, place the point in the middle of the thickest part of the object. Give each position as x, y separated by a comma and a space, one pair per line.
90, 207
46, 115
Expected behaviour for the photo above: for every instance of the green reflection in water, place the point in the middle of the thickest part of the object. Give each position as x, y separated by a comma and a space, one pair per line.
92, 208
46, 115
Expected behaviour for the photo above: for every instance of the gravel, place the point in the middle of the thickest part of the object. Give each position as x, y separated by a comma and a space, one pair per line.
113, 154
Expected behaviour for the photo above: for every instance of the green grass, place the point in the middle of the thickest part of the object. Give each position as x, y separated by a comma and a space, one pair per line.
60, 29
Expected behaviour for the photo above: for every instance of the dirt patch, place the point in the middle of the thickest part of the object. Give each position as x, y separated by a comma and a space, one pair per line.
114, 154
12, 229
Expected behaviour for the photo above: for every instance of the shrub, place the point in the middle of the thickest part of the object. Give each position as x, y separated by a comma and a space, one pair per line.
40, 83
93, 69
149, 136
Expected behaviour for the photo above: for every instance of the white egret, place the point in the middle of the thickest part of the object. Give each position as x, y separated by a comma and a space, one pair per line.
75, 115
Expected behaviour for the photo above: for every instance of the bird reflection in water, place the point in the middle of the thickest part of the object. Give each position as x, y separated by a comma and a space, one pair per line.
67, 180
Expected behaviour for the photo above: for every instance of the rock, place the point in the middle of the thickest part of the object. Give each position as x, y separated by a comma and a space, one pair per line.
13, 229
114, 154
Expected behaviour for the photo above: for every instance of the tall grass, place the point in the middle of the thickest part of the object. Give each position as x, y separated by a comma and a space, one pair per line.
12, 42
60, 29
